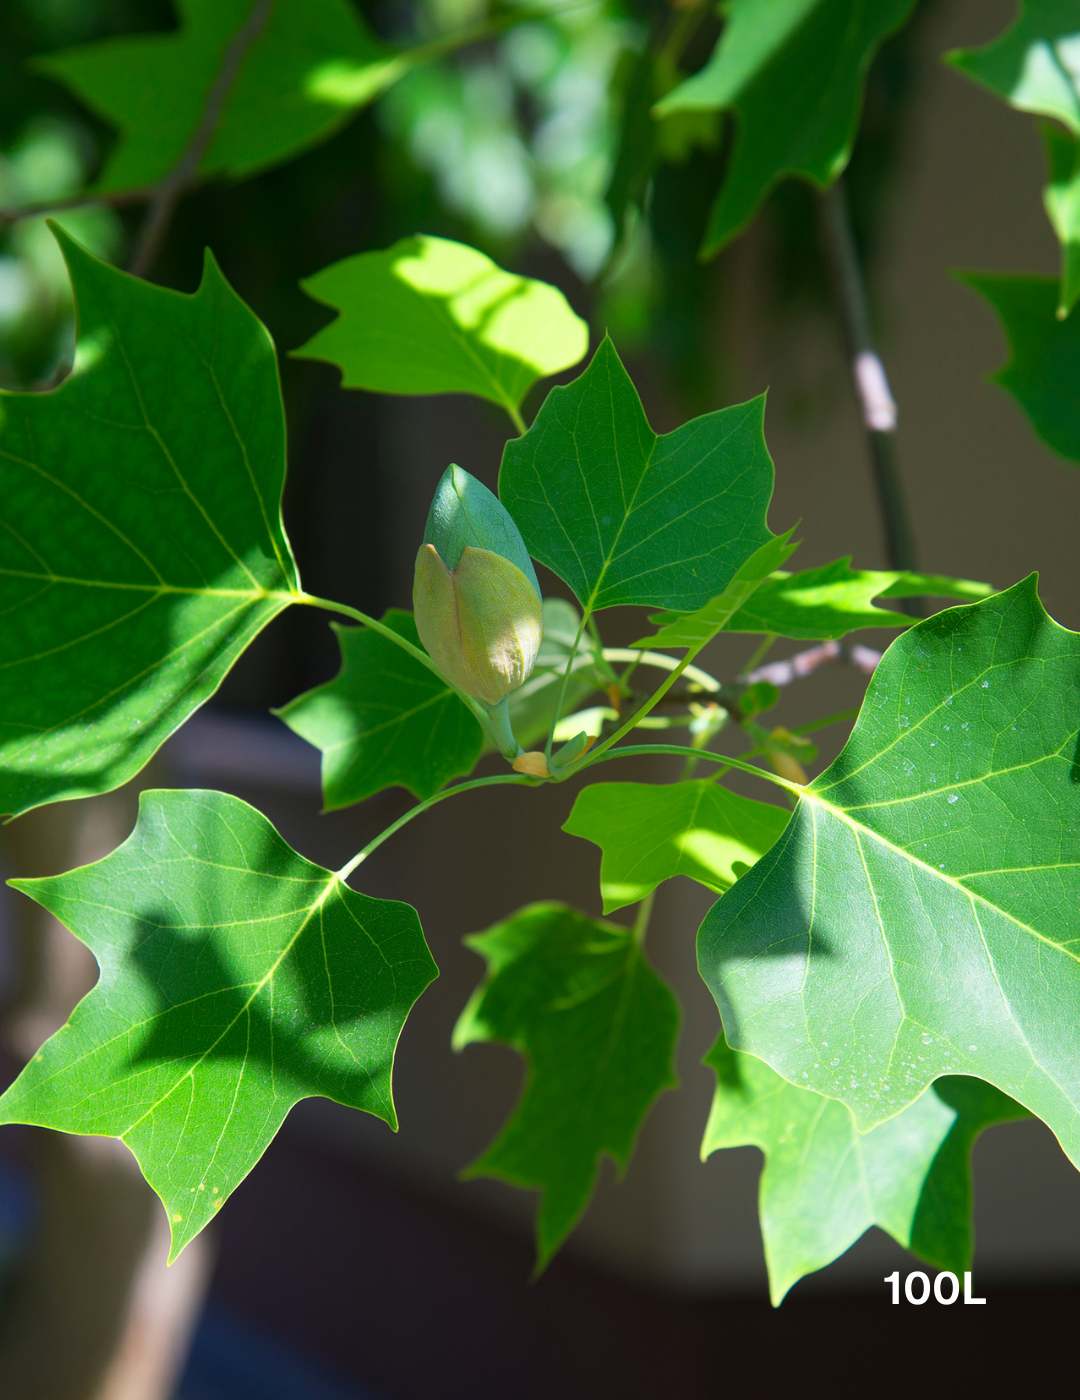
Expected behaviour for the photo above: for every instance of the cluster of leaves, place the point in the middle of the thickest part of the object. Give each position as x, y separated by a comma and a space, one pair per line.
891, 949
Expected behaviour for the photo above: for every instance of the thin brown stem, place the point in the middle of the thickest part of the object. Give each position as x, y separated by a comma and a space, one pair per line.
870, 381
171, 189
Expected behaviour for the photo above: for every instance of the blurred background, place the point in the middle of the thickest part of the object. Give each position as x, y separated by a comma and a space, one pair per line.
352, 1262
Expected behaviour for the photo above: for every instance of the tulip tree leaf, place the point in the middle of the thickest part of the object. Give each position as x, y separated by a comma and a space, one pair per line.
576, 997
236, 979
824, 1183
1033, 65
384, 719
624, 516
310, 66
650, 832
918, 915
142, 546
1043, 374
429, 316
821, 604
793, 72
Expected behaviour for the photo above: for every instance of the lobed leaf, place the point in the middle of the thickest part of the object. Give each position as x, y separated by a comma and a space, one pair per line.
625, 516
236, 979
650, 832
825, 1183
1043, 374
598, 1027
917, 917
793, 72
311, 66
384, 720
429, 316
142, 546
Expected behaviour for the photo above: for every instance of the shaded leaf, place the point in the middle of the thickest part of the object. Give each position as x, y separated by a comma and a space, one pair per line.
918, 915
532, 705
1044, 372
429, 316
236, 979
650, 832
384, 720
1062, 200
311, 67
824, 1183
142, 546
793, 73
597, 1025
624, 516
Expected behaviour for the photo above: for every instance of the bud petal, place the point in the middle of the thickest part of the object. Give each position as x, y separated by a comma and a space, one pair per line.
463, 513
481, 622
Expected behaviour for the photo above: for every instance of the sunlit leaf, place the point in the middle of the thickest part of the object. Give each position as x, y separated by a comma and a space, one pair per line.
792, 71
1035, 64
576, 997
142, 546
650, 832
918, 915
625, 516
824, 1183
429, 316
312, 65
236, 979
384, 720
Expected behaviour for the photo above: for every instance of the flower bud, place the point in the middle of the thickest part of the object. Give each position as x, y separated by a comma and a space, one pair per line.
481, 622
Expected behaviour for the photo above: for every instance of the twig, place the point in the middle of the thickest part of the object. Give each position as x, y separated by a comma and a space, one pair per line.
870, 380
805, 663
74, 201
172, 187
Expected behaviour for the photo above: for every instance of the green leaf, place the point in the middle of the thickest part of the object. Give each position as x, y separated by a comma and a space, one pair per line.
142, 547
236, 979
650, 832
1062, 200
918, 915
1044, 372
1032, 65
825, 1183
793, 73
624, 516
824, 603
311, 67
384, 720
693, 630
429, 316
597, 1025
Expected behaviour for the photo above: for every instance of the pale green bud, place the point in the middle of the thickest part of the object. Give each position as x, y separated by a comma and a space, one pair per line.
481, 622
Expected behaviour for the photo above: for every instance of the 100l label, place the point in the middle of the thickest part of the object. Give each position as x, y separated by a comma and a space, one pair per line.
917, 1288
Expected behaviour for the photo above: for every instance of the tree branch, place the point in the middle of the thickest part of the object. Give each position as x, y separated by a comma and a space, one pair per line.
869, 379
169, 191
805, 663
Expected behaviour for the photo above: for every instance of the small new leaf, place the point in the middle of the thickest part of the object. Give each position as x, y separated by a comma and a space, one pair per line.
825, 1183
142, 547
236, 979
918, 915
309, 68
793, 73
625, 516
384, 720
429, 316
1044, 372
650, 832
576, 997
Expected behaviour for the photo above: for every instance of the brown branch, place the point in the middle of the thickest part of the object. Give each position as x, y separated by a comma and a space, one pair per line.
870, 381
169, 191
805, 663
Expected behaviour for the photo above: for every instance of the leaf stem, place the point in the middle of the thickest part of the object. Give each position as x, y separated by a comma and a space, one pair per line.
644, 914
562, 683
680, 751
516, 418
171, 188
869, 379
328, 605
373, 845
760, 653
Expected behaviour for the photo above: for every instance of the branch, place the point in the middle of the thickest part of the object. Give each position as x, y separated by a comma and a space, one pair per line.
169, 191
870, 380
805, 663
